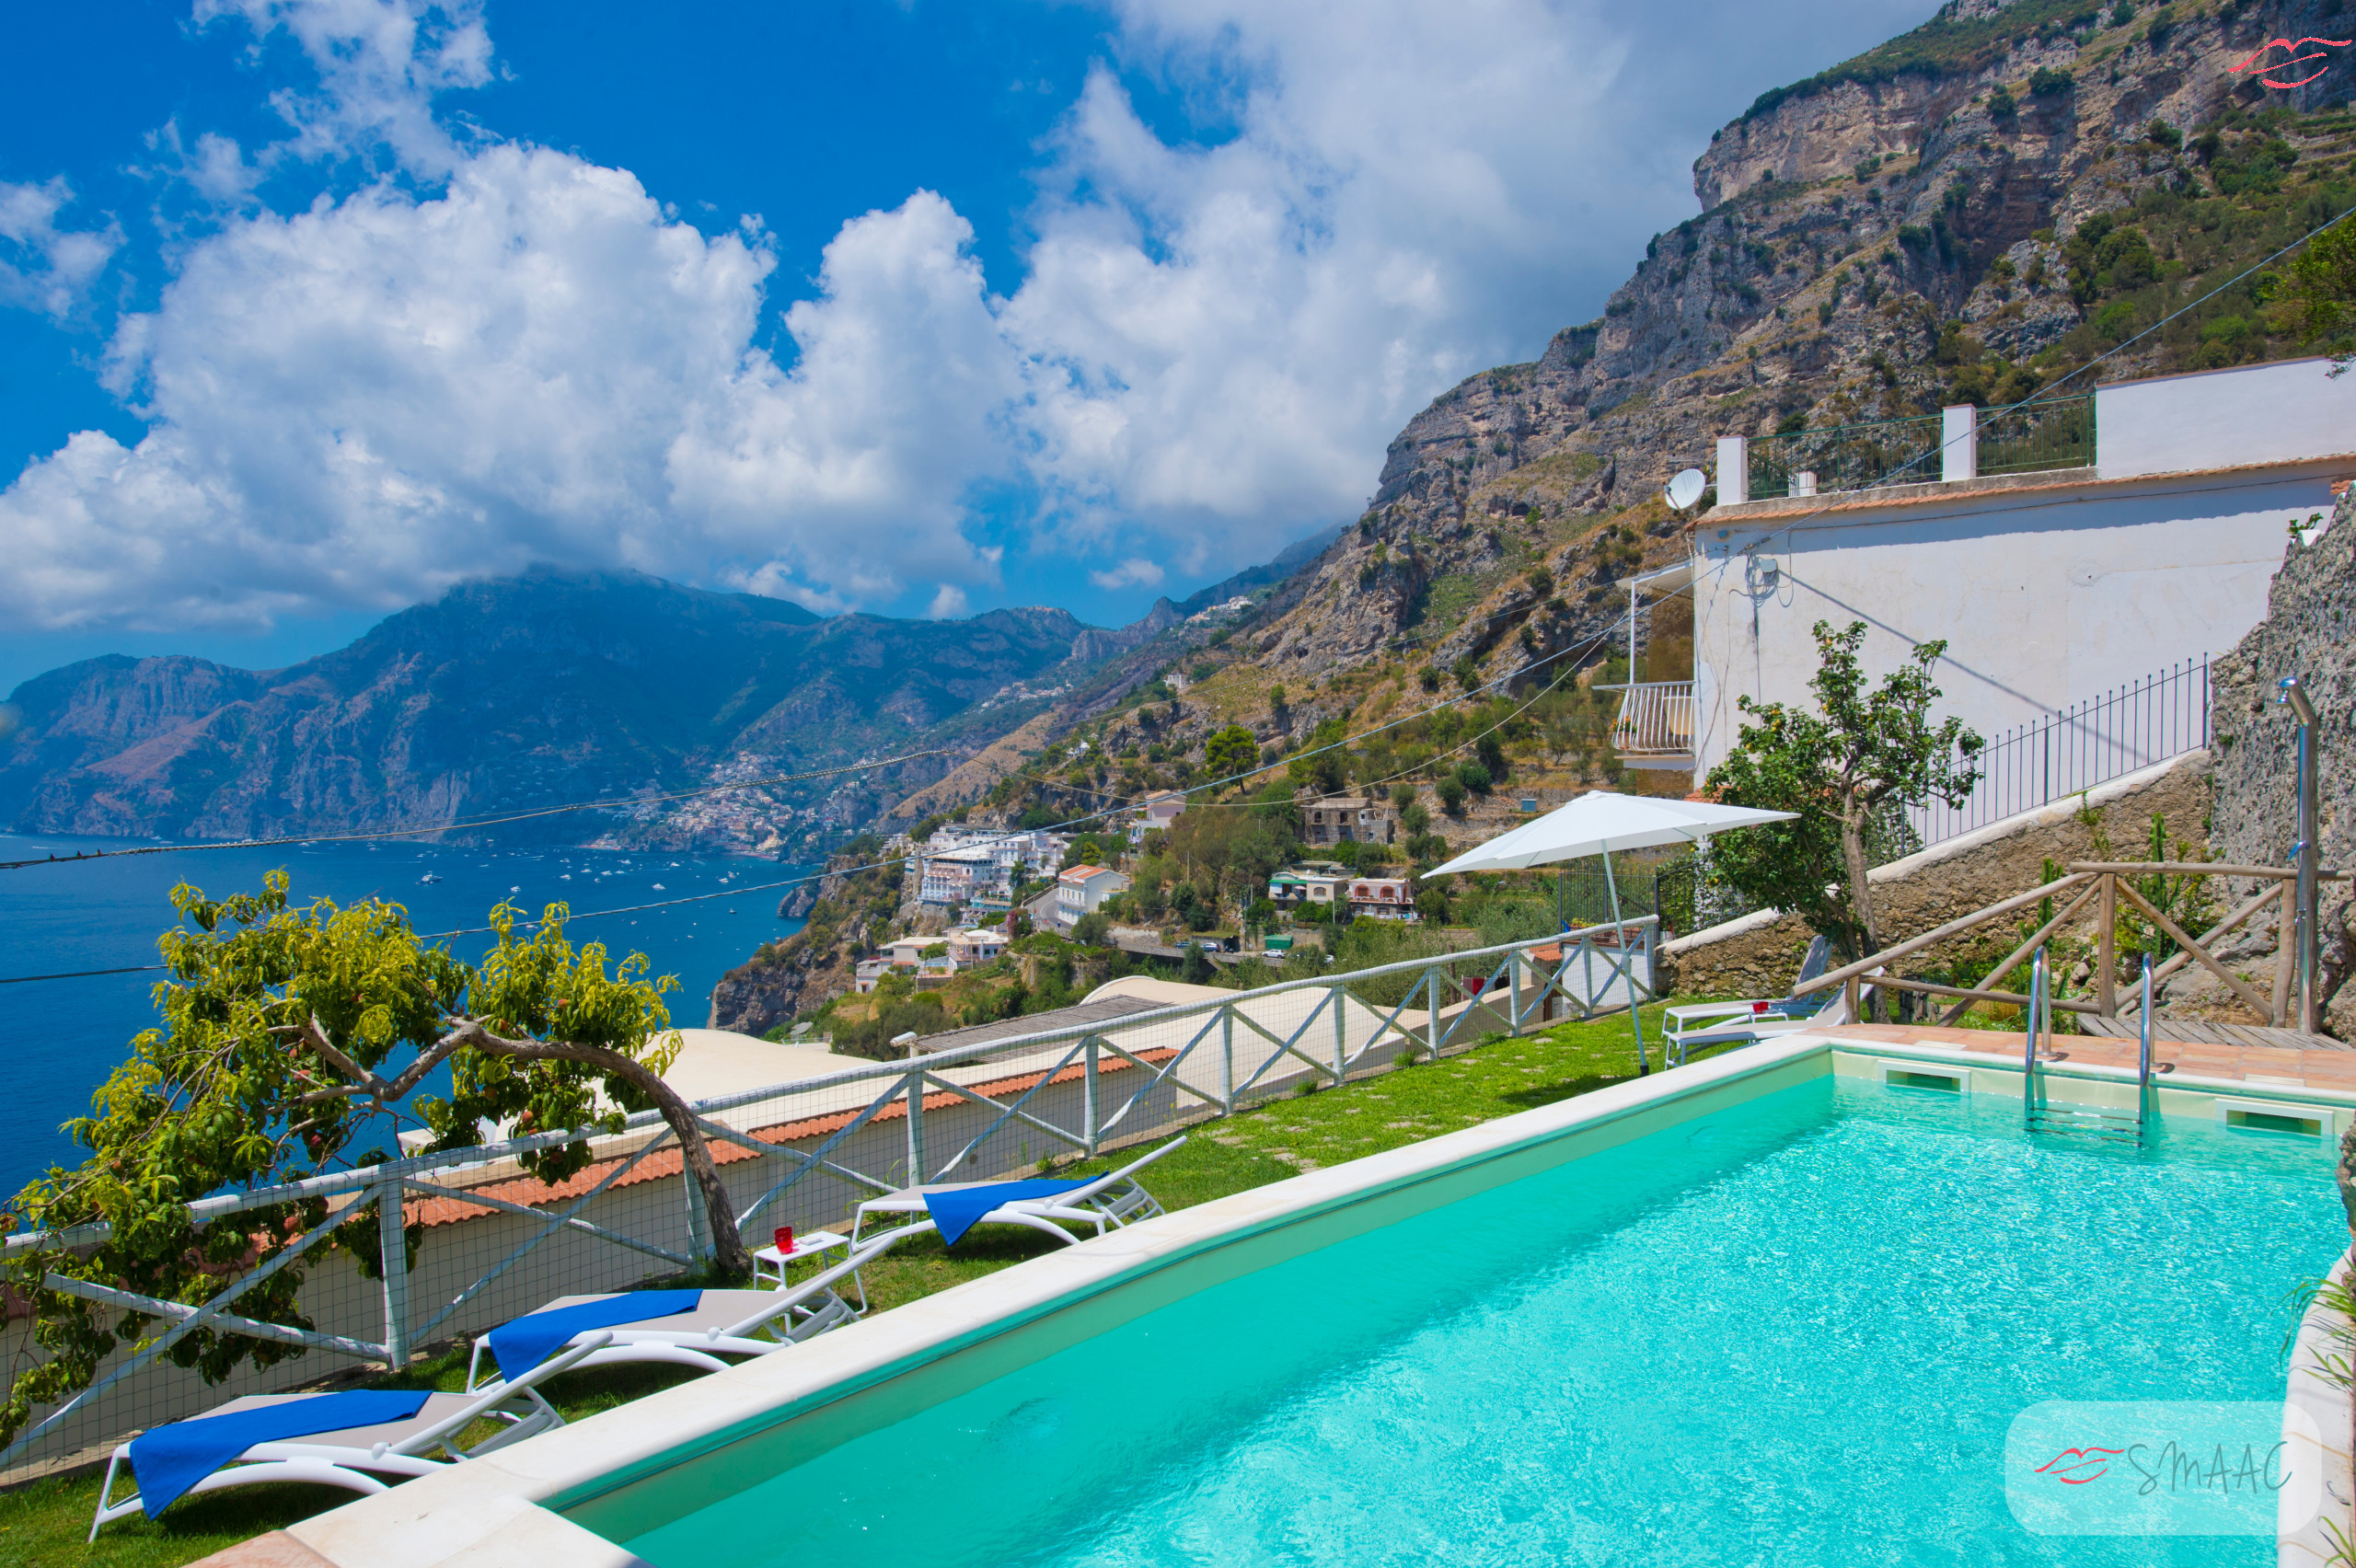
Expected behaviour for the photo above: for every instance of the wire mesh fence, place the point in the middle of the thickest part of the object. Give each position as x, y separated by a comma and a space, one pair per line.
2133, 726
481, 1240
1843, 458
2051, 433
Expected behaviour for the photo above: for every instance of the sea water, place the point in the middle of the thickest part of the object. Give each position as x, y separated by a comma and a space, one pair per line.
63, 1036
1792, 1333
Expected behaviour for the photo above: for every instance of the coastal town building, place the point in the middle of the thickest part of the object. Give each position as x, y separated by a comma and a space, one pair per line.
1384, 898
963, 869
1291, 889
1082, 890
978, 946
1157, 812
1343, 819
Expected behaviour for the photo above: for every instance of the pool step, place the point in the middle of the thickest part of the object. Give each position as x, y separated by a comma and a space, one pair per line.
2085, 1122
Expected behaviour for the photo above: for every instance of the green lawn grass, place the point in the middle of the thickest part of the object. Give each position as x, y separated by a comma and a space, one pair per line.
43, 1522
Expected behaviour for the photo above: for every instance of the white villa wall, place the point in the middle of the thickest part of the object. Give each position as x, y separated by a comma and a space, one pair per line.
2050, 589
2221, 419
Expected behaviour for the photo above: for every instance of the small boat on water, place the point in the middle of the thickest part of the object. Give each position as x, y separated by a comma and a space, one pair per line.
429, 877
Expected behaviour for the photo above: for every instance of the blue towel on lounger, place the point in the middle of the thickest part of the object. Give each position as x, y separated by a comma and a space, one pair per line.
168, 1460
956, 1212
519, 1345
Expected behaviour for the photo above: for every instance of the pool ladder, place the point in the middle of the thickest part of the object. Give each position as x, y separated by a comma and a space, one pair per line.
2112, 1126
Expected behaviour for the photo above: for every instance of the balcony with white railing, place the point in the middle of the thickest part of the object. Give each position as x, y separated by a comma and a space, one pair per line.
1656, 726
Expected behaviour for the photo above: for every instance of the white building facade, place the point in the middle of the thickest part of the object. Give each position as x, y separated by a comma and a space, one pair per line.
1082, 890
2049, 587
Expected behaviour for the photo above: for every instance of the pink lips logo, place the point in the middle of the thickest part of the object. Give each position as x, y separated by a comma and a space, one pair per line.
2076, 1467
2266, 69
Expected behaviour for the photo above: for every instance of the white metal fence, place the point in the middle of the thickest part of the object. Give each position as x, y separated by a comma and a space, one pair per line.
497, 1242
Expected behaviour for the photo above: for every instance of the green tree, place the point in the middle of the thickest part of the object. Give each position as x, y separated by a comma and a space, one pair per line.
291, 1039
2315, 299
1452, 792
1231, 752
1863, 757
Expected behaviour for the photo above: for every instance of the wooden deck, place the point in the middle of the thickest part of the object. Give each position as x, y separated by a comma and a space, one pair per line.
2188, 1031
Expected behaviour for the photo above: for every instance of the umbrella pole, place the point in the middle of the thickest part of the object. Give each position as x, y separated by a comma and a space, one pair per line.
1627, 966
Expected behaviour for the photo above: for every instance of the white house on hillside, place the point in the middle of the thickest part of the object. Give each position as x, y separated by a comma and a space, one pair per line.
2094, 546
1082, 890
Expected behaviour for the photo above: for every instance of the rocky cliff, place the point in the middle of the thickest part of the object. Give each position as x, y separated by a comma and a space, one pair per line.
1993, 206
2310, 633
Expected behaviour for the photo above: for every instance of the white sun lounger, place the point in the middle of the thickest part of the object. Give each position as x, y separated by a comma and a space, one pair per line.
729, 1322
1116, 1199
1748, 1022
1742, 1024
397, 1449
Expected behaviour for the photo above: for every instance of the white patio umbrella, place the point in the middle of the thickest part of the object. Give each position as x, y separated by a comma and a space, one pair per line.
1597, 823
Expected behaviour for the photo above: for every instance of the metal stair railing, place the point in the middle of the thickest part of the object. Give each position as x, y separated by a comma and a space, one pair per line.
2085, 1120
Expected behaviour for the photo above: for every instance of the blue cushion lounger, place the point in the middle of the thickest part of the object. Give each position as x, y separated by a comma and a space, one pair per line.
664, 1326
346, 1439
1096, 1202
523, 1343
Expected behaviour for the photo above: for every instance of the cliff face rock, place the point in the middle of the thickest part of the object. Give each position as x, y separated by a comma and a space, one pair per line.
756, 997
512, 694
1818, 135
1888, 236
2310, 633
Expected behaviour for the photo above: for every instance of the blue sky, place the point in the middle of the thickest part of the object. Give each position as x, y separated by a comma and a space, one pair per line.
309, 308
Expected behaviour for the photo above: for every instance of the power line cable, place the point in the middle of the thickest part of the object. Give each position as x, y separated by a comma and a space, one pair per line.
83, 858
2045, 394
572, 917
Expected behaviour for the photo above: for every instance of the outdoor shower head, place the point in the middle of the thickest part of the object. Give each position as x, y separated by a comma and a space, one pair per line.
2290, 691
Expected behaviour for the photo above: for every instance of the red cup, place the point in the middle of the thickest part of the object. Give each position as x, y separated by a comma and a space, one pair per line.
784, 1238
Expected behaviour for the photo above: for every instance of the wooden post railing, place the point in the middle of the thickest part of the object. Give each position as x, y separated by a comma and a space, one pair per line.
2104, 883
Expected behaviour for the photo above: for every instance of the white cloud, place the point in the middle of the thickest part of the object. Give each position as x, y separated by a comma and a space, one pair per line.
357, 404
949, 604
360, 404
380, 63
43, 267
1132, 572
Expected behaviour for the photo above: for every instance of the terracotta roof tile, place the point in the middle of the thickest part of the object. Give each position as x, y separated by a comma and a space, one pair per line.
534, 1193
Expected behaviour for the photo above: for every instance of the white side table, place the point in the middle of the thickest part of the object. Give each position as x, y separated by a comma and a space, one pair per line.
768, 1264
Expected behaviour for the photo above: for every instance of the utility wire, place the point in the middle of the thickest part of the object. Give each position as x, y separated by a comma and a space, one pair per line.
1121, 806
2045, 394
83, 856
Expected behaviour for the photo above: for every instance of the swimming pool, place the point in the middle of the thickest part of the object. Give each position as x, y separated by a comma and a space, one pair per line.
1792, 1329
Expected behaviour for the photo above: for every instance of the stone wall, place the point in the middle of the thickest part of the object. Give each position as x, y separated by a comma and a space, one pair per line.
1758, 955
2310, 620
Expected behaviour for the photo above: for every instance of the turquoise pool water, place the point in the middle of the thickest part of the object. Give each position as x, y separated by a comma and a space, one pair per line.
1792, 1333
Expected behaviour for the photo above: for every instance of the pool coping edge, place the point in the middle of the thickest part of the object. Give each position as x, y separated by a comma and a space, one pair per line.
409, 1527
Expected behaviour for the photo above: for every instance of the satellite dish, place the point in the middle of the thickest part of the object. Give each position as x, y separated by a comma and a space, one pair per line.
1686, 488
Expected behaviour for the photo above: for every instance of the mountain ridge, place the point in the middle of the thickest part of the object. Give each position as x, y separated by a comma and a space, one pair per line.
1992, 205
